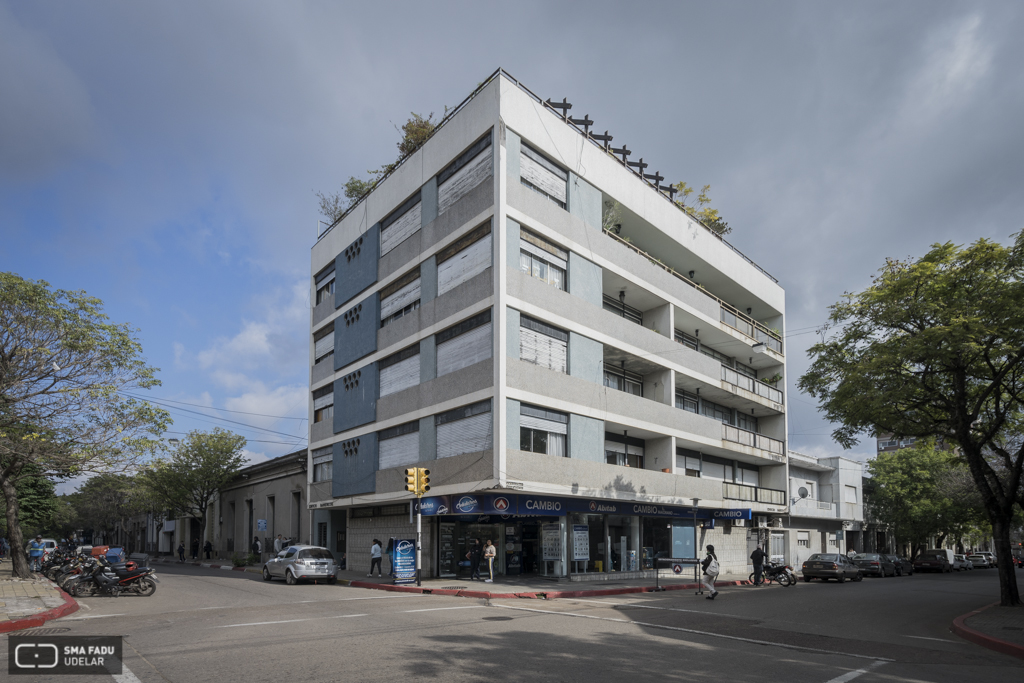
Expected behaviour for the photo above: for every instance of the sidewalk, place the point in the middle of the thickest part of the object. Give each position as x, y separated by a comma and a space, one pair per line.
209, 564
30, 603
997, 628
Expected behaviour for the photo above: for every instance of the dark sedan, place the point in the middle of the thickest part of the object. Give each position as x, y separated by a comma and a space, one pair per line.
873, 564
904, 567
827, 566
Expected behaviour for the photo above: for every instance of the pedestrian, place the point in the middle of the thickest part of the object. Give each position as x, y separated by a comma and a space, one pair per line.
208, 548
375, 557
757, 557
710, 567
391, 556
490, 552
181, 551
257, 547
36, 550
278, 543
195, 548
474, 559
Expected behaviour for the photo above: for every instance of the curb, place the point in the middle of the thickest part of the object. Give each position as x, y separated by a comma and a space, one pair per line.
961, 629
528, 595
70, 606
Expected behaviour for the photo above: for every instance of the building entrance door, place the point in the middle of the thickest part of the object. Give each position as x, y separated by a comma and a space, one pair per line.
465, 533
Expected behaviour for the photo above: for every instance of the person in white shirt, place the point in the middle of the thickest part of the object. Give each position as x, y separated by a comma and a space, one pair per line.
375, 557
278, 543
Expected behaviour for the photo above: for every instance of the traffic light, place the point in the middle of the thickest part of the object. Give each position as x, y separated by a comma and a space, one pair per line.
424, 481
412, 480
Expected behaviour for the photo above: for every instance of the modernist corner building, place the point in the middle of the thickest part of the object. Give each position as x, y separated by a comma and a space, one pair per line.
522, 309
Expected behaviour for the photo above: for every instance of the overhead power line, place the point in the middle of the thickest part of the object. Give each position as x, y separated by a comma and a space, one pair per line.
214, 417
280, 443
200, 405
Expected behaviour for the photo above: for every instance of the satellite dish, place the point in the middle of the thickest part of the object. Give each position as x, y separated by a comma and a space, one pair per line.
802, 492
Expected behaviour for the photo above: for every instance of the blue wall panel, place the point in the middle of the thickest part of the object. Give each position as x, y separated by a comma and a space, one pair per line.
355, 331
355, 268
355, 466
355, 398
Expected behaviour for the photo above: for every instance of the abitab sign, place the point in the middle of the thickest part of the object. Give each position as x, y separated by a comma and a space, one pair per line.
548, 506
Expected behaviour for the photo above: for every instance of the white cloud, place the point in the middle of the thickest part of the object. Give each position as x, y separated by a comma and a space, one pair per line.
253, 458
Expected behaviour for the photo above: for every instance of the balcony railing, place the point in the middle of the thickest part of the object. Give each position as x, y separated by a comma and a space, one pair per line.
776, 449
750, 384
730, 315
757, 494
320, 490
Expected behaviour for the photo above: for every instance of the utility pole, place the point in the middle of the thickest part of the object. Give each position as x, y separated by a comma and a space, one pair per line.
417, 481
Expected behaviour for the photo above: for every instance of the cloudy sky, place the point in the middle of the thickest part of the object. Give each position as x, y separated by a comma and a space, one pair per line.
163, 156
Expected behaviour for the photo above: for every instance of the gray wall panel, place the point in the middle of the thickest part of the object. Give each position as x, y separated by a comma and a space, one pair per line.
355, 267
355, 331
428, 359
428, 275
586, 438
428, 440
355, 466
512, 436
513, 148
586, 358
584, 201
428, 198
512, 243
512, 332
585, 279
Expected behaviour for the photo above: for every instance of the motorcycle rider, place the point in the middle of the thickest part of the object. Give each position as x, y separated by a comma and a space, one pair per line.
757, 557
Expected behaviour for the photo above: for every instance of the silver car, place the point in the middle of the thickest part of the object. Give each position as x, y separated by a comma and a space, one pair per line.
300, 563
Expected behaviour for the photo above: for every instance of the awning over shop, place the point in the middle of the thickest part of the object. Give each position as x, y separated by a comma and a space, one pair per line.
527, 505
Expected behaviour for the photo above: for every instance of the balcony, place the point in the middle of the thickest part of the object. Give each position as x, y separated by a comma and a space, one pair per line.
752, 385
774, 449
754, 494
320, 491
807, 507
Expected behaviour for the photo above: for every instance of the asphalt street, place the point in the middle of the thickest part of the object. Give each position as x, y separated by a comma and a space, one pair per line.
210, 625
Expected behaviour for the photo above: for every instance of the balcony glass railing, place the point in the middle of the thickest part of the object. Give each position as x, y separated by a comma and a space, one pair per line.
776, 449
757, 494
752, 385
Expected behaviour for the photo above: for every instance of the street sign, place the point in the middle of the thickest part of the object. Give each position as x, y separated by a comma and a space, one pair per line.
405, 561
261, 525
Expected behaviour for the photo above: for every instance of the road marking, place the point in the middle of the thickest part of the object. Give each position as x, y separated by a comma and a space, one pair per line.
941, 640
441, 609
845, 678
126, 676
292, 621
666, 609
696, 632
93, 616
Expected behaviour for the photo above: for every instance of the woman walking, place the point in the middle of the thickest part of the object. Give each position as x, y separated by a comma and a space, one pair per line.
375, 557
710, 566
181, 551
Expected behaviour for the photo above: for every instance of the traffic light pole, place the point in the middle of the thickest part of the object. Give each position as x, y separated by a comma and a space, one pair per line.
419, 538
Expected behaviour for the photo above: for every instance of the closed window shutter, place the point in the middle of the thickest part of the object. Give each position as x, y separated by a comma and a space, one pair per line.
324, 345
400, 230
473, 260
401, 375
544, 425
540, 349
464, 350
542, 174
465, 436
400, 299
465, 179
323, 401
401, 450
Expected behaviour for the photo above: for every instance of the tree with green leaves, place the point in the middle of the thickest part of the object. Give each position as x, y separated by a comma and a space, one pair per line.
187, 482
65, 377
700, 209
106, 503
934, 347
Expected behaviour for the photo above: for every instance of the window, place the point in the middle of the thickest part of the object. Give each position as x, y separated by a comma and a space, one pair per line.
400, 370
686, 340
686, 401
623, 380
464, 259
321, 540
401, 224
746, 370
464, 344
716, 468
323, 404
747, 422
689, 461
399, 445
713, 410
542, 344
325, 284
323, 344
542, 431
471, 168
803, 539
400, 298
833, 540
748, 474
543, 260
809, 485
323, 464
850, 494
720, 357
623, 309
542, 176
623, 451
465, 430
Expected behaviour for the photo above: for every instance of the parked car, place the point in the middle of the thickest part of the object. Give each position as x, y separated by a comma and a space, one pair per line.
961, 563
933, 561
300, 563
874, 564
992, 559
904, 567
980, 561
827, 566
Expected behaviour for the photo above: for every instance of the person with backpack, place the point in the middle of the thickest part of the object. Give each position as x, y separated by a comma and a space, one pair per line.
757, 557
711, 569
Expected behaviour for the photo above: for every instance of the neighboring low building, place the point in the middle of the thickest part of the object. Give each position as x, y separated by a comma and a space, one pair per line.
826, 508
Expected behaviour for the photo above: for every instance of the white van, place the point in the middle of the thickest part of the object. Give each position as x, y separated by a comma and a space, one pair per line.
949, 554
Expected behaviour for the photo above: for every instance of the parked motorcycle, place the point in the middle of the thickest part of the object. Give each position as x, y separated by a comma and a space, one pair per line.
104, 578
779, 573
